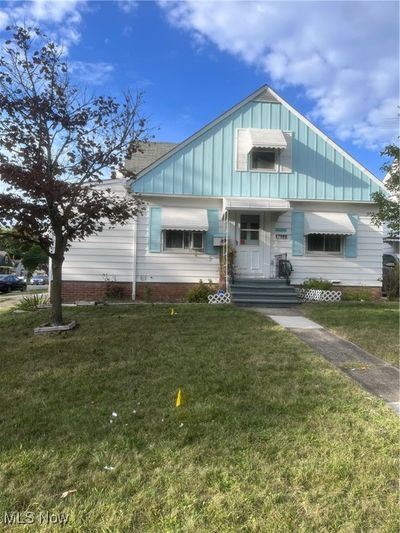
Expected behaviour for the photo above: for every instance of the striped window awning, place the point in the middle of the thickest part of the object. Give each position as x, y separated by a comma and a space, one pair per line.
260, 138
258, 204
328, 224
184, 218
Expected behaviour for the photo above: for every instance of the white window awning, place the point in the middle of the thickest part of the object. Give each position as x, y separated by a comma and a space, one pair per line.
328, 224
260, 138
184, 218
257, 204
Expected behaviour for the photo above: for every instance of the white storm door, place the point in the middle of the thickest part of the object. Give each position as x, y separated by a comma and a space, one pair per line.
249, 246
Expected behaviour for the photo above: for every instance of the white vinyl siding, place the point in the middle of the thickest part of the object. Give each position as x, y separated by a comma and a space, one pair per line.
174, 266
109, 252
363, 270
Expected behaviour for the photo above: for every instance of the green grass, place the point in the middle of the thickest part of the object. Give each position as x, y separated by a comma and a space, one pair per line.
373, 326
270, 436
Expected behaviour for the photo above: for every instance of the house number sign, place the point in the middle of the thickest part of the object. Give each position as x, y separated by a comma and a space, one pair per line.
280, 234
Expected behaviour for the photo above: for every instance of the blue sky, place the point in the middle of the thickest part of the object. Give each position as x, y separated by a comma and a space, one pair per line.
336, 62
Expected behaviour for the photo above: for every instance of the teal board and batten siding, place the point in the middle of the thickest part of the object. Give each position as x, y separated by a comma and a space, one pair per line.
206, 166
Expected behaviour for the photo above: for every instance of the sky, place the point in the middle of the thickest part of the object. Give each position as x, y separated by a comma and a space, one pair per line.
335, 62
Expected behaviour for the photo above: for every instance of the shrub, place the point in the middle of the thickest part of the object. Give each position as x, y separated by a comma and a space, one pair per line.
32, 302
200, 292
114, 291
147, 296
356, 295
314, 283
391, 285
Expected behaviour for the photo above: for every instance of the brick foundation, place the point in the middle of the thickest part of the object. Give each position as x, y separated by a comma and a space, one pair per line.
162, 292
73, 291
375, 292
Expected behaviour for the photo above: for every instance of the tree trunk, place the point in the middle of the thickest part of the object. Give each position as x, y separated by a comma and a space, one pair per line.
56, 285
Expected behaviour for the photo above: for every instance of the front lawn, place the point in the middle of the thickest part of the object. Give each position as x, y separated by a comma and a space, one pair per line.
373, 326
270, 437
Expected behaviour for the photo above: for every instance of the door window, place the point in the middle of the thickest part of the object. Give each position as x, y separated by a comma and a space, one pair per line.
250, 230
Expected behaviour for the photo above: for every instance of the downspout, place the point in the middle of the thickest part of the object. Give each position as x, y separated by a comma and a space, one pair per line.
49, 285
134, 258
226, 250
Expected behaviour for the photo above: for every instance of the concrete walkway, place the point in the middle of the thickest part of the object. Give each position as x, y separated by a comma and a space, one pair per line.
373, 374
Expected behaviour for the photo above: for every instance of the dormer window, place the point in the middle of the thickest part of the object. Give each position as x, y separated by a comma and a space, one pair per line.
263, 159
263, 150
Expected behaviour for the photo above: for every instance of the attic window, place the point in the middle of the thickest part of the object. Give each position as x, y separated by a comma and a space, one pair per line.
263, 159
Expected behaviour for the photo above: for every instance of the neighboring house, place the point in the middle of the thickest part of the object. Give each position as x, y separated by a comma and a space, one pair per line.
5, 262
19, 268
390, 242
260, 174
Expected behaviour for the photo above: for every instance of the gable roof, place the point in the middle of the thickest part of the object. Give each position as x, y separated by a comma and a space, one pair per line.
205, 128
263, 94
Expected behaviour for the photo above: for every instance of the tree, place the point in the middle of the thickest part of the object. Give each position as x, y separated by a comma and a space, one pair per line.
55, 146
388, 205
9, 242
33, 258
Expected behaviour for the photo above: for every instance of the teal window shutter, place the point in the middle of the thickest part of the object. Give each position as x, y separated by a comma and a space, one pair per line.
350, 246
297, 233
155, 229
213, 229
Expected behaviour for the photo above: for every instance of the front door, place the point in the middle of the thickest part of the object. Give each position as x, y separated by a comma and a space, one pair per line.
249, 246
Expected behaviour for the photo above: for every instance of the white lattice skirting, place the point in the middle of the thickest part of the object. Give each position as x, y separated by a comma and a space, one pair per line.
219, 298
318, 295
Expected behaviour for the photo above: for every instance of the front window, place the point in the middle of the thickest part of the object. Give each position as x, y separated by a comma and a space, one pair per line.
183, 240
250, 230
262, 159
324, 243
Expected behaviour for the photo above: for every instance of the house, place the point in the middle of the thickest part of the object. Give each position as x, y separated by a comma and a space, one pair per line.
390, 242
260, 177
5, 262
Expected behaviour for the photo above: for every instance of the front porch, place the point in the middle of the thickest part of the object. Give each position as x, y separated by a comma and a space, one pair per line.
250, 229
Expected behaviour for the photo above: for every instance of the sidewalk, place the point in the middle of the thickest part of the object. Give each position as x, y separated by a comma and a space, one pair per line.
373, 374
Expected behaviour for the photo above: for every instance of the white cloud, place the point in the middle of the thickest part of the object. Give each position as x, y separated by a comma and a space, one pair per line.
91, 73
127, 6
342, 55
59, 18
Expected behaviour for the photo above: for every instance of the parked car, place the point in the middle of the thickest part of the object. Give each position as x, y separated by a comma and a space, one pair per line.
4, 287
13, 283
39, 280
389, 263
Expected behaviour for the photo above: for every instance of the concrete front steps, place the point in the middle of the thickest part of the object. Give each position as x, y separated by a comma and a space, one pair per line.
263, 293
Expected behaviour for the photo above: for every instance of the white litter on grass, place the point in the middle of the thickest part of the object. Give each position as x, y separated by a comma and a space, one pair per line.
181, 425
114, 414
109, 468
67, 493
134, 411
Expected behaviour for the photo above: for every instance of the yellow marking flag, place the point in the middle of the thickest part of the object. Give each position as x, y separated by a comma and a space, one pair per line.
179, 399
